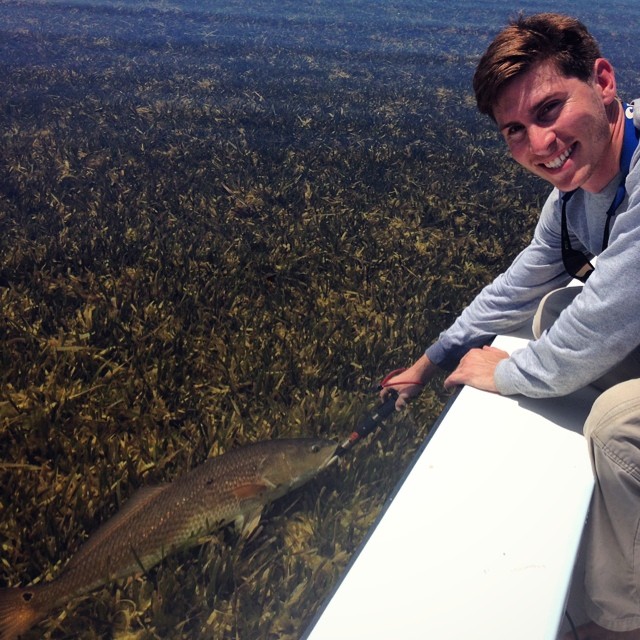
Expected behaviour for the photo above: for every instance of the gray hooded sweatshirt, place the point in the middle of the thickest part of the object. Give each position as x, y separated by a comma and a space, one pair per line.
602, 325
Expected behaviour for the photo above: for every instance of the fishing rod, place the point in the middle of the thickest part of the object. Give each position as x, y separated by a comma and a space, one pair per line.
367, 425
373, 420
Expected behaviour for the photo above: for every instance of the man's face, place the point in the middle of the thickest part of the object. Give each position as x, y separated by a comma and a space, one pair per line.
559, 128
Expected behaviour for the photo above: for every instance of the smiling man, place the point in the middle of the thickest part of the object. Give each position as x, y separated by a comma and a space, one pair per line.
554, 99
564, 130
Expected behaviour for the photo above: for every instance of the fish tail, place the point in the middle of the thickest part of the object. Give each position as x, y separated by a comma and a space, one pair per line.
20, 609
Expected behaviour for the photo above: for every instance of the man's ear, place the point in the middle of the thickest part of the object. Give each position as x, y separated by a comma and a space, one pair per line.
605, 79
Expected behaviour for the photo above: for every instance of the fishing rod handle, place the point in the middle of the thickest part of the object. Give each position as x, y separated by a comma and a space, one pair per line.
375, 418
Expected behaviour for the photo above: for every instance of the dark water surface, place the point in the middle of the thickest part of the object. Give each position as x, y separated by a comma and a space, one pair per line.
222, 222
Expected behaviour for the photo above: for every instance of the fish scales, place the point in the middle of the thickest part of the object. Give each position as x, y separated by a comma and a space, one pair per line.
233, 487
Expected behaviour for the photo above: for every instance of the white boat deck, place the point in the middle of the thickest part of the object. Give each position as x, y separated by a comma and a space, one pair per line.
481, 537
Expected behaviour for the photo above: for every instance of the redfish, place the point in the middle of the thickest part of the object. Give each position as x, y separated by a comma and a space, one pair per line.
156, 521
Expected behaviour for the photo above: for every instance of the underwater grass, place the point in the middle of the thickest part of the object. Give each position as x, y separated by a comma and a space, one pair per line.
204, 246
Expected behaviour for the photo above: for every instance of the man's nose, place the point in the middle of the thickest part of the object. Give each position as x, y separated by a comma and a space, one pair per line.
541, 139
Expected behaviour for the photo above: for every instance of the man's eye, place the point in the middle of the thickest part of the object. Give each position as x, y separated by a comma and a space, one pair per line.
514, 132
550, 110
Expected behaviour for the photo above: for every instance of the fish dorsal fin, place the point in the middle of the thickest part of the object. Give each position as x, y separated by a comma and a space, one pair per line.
138, 501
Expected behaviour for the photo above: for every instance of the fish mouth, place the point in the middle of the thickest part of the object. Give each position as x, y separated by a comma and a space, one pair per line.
559, 161
333, 457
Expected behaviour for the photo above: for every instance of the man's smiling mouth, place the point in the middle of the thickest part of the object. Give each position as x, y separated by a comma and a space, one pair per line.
561, 159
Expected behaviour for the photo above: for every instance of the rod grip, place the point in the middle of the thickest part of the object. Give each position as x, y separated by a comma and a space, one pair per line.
379, 414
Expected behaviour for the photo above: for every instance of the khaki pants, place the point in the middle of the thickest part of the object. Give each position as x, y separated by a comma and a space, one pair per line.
612, 430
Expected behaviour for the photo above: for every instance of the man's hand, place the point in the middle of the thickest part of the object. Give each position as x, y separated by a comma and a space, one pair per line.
410, 383
476, 369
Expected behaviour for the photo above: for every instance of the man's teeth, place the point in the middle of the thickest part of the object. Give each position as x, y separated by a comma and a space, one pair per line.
560, 160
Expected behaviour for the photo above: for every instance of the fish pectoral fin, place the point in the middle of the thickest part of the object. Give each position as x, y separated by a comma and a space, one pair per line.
246, 524
250, 490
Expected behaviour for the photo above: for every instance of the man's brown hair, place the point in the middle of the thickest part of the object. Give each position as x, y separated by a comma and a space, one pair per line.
528, 41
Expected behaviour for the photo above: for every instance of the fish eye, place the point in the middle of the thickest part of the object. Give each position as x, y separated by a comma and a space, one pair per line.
315, 448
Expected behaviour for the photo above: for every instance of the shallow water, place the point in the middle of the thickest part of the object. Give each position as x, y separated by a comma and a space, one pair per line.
223, 222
